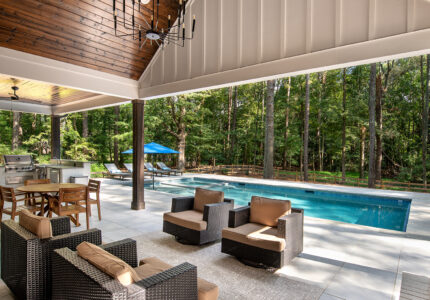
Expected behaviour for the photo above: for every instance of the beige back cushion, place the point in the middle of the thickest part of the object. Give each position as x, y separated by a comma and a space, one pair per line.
203, 197
267, 211
40, 226
108, 263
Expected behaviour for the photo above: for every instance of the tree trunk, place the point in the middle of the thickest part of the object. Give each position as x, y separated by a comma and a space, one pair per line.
323, 78
182, 135
287, 122
378, 112
344, 126
270, 132
425, 123
85, 124
233, 127
372, 133
362, 149
306, 133
115, 140
230, 103
16, 131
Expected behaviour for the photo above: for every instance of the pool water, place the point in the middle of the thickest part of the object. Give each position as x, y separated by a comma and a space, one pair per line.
380, 212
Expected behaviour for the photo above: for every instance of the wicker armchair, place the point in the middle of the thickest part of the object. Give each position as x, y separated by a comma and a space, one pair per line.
260, 245
75, 278
26, 259
200, 228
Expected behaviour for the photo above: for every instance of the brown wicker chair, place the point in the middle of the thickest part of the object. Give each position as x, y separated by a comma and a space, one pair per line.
75, 278
197, 227
261, 245
26, 259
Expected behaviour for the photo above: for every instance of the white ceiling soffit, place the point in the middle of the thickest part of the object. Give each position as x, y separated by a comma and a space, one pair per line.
32, 67
240, 41
25, 107
99, 101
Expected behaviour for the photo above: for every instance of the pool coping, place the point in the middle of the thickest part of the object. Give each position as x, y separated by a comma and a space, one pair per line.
419, 214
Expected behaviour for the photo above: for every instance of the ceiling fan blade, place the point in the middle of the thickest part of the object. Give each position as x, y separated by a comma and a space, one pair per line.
5, 99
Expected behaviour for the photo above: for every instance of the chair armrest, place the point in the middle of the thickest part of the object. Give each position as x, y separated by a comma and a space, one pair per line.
290, 228
125, 249
60, 225
216, 214
179, 282
72, 240
239, 216
75, 278
228, 200
182, 203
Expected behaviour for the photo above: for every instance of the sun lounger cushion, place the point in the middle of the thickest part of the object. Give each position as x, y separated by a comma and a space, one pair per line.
203, 197
267, 211
256, 235
152, 265
190, 219
108, 263
40, 226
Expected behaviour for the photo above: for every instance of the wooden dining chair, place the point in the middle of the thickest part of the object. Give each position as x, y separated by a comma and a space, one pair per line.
37, 198
94, 188
71, 202
8, 195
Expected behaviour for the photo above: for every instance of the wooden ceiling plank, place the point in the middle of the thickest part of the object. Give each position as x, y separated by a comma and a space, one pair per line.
31, 35
28, 49
30, 38
29, 12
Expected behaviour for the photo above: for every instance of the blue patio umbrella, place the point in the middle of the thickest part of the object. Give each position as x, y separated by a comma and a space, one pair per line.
154, 148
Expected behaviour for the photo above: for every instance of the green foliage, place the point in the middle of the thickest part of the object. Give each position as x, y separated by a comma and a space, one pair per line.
204, 116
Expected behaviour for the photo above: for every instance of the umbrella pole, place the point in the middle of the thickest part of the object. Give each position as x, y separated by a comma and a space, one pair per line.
153, 176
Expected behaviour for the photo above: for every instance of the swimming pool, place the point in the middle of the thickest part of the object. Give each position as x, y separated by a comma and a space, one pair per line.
375, 211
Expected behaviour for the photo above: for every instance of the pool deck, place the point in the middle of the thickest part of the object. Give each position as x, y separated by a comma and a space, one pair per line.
346, 261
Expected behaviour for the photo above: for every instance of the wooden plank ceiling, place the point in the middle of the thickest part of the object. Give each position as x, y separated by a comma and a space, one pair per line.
39, 92
80, 32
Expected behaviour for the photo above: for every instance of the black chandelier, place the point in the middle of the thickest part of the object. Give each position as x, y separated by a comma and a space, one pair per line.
151, 31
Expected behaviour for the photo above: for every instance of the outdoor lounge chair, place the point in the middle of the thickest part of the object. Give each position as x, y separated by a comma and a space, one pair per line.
113, 172
199, 219
129, 168
26, 258
267, 233
78, 278
163, 167
155, 171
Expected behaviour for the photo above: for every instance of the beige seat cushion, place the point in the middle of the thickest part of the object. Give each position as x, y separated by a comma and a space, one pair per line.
108, 263
40, 226
190, 219
206, 289
256, 235
203, 197
267, 211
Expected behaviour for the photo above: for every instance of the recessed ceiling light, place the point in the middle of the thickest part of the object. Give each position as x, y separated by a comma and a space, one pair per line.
144, 1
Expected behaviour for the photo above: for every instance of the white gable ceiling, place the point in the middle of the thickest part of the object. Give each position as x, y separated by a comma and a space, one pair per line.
239, 41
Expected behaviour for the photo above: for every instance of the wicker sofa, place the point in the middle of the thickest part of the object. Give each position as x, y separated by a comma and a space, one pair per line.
198, 223
76, 278
26, 259
259, 241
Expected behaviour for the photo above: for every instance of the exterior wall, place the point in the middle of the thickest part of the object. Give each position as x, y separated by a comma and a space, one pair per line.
239, 41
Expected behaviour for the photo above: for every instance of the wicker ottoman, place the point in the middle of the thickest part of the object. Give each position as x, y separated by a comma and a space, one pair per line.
152, 265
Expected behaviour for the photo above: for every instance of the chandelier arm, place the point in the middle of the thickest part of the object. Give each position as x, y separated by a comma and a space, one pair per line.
143, 44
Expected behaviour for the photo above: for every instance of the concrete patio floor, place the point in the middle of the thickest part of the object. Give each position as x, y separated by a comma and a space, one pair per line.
347, 261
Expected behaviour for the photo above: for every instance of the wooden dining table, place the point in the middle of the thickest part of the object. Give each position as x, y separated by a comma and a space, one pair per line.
47, 189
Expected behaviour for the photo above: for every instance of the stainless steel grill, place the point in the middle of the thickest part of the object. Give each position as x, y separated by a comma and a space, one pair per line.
18, 168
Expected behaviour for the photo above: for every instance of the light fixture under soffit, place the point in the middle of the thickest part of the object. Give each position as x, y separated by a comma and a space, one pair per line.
150, 31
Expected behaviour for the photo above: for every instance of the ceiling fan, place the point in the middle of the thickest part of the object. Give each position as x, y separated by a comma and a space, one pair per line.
12, 96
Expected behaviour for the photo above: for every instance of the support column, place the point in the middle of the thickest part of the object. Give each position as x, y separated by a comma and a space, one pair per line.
55, 137
138, 156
